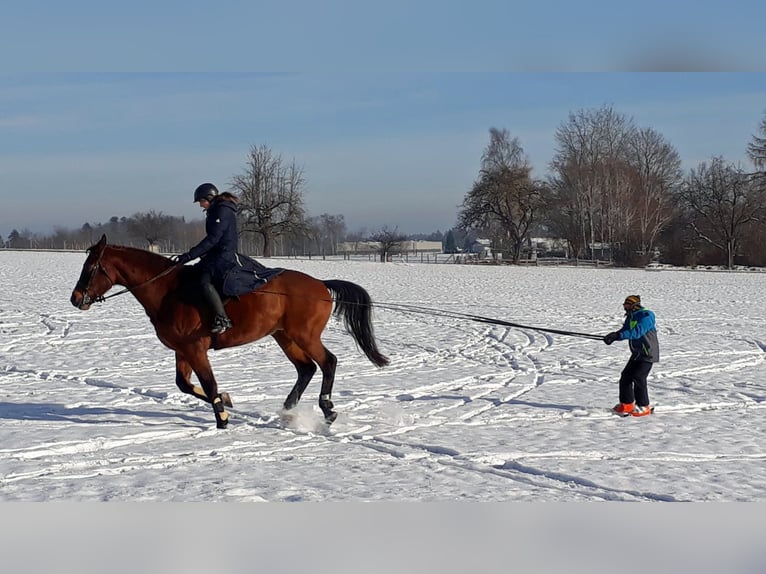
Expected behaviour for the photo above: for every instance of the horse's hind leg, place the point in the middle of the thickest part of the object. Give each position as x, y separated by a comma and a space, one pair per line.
184, 383
303, 364
328, 380
327, 362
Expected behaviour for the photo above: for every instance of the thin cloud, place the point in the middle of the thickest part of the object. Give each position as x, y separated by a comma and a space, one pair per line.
23, 122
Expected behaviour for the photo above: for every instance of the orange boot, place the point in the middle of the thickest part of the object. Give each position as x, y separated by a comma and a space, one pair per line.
642, 411
623, 409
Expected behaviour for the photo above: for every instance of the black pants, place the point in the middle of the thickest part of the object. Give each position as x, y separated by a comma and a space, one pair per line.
633, 383
210, 293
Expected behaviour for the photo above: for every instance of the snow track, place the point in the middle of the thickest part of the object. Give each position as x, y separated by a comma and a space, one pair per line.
466, 410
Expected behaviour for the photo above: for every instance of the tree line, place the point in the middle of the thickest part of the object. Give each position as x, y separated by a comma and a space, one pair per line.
271, 219
614, 190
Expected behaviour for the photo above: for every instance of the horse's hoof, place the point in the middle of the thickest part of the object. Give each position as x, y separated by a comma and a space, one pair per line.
221, 416
286, 417
329, 419
226, 399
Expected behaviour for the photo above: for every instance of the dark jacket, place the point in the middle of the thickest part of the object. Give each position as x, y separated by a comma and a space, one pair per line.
640, 331
218, 250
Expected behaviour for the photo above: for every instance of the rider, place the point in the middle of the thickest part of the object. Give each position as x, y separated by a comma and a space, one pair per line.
218, 249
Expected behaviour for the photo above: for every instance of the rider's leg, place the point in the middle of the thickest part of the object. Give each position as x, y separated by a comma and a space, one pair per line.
221, 321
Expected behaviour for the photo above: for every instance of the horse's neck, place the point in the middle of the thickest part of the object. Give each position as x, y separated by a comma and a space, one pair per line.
135, 268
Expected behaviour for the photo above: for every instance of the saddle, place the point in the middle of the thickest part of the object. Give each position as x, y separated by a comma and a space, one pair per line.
246, 276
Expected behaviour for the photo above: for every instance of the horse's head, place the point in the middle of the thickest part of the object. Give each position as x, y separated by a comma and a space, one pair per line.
94, 281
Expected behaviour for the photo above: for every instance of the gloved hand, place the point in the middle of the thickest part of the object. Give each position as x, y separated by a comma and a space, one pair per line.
180, 259
610, 338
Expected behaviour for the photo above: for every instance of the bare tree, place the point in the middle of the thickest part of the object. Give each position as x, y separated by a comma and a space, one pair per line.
724, 202
152, 227
592, 175
390, 241
504, 200
656, 177
328, 231
271, 197
756, 149
564, 211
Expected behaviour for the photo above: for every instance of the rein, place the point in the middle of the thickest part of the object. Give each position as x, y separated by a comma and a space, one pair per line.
480, 319
98, 267
405, 308
102, 298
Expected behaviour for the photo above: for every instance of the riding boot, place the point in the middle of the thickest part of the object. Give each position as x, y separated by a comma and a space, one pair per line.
221, 321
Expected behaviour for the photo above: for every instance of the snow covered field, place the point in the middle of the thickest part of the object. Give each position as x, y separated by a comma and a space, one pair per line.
465, 412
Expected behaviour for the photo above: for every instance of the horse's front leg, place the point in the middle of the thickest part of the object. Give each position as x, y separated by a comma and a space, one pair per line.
184, 382
197, 361
183, 379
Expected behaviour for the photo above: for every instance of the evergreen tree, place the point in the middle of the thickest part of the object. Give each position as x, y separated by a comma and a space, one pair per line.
449, 243
14, 239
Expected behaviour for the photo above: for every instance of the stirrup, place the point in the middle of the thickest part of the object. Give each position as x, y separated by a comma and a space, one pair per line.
220, 324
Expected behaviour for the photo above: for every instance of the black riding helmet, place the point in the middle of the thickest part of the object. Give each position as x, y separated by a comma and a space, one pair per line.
205, 191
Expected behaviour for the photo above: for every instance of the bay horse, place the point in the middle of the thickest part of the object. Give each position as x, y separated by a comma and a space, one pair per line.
293, 308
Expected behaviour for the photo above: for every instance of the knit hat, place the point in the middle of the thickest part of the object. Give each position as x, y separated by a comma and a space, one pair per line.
632, 300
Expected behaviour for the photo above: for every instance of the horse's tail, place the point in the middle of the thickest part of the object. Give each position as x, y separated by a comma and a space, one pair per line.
354, 304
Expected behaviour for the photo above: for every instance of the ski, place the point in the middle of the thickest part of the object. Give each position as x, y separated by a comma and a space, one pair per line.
625, 415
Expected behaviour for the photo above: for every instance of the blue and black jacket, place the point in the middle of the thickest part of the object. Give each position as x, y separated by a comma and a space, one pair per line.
640, 331
218, 250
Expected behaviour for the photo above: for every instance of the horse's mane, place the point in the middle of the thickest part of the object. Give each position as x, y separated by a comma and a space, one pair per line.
142, 255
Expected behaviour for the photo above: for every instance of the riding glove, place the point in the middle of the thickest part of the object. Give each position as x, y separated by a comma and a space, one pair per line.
181, 259
610, 338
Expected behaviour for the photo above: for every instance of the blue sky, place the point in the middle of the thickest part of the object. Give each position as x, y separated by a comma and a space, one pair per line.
386, 105
399, 149
395, 35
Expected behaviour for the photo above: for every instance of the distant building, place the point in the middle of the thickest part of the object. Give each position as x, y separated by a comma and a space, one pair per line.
550, 246
409, 246
422, 247
481, 247
359, 247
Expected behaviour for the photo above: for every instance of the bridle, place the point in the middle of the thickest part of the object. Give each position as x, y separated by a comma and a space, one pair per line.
97, 266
